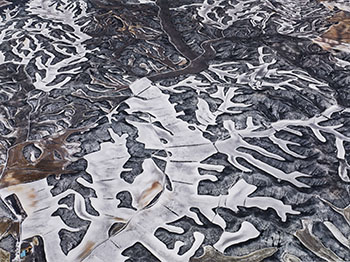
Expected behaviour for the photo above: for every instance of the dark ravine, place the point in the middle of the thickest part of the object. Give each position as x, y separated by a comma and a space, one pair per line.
195, 66
174, 36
